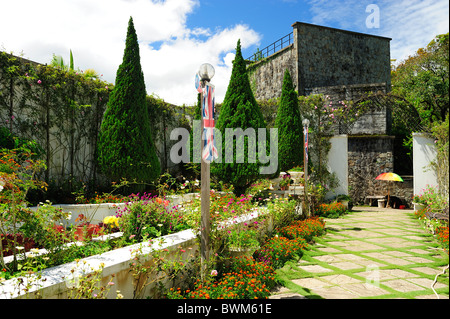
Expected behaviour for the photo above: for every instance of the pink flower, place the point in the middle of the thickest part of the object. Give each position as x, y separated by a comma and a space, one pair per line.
39, 82
214, 272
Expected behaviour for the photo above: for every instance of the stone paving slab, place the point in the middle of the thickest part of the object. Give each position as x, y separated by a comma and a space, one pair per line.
365, 290
402, 285
379, 252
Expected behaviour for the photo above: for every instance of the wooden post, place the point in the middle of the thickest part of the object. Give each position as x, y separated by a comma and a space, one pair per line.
205, 206
305, 168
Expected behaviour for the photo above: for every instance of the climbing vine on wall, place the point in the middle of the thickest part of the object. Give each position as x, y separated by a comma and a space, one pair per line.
60, 110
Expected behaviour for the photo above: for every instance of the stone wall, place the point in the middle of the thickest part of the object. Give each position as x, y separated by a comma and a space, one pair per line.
372, 122
266, 76
325, 57
347, 92
368, 156
331, 57
404, 190
358, 160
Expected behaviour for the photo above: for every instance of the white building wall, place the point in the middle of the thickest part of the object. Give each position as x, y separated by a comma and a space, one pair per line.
338, 164
424, 152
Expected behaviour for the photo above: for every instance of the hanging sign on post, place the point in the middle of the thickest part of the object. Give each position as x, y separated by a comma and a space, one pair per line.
209, 145
305, 133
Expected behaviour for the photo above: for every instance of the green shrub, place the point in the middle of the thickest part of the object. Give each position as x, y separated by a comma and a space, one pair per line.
6, 139
125, 147
289, 124
239, 111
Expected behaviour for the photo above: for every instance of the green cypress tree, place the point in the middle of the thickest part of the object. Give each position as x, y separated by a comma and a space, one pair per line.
126, 148
239, 110
289, 124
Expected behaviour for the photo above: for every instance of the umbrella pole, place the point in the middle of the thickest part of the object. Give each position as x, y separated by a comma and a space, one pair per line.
389, 188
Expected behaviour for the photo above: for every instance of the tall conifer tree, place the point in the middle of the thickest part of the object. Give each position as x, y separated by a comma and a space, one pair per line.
126, 149
289, 124
239, 111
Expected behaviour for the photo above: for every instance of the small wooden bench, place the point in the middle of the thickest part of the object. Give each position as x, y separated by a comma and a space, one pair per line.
440, 215
372, 199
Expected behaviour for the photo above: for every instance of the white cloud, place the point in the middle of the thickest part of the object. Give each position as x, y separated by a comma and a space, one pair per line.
411, 24
95, 31
183, 56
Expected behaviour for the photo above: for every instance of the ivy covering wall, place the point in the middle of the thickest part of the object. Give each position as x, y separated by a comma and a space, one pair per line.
60, 110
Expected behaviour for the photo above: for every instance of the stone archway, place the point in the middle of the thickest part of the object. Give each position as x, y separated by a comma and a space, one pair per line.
370, 155
397, 108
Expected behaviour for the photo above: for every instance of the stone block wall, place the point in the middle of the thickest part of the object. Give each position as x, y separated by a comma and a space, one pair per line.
266, 76
342, 64
331, 57
358, 160
372, 122
368, 156
404, 190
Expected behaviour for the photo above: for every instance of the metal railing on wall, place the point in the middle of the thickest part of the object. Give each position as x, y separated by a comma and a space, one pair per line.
272, 48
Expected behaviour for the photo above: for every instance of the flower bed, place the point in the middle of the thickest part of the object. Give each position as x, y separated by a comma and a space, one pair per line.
254, 277
53, 239
430, 197
439, 228
135, 266
332, 210
442, 236
244, 279
120, 256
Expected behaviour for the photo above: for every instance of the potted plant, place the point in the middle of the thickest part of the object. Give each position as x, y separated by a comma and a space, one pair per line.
285, 182
296, 174
345, 200
85, 230
419, 202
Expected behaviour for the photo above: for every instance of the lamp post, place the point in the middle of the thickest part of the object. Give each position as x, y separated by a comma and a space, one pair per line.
205, 73
305, 163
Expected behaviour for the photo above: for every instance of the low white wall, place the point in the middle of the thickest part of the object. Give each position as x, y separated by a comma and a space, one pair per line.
53, 282
95, 213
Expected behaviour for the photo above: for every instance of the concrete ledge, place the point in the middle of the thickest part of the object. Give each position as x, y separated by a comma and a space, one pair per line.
54, 283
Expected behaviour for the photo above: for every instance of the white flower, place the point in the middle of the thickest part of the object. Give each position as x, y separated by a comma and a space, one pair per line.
1, 188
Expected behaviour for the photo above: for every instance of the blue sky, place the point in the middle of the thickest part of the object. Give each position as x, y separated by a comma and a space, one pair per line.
176, 36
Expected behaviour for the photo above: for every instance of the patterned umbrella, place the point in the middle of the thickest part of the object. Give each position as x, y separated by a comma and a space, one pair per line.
390, 177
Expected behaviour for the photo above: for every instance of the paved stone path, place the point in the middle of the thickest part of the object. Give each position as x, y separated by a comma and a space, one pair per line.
369, 253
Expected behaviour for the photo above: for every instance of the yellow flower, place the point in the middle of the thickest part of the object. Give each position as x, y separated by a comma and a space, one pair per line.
113, 220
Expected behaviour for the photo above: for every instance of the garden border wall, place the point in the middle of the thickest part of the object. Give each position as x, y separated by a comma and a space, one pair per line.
54, 281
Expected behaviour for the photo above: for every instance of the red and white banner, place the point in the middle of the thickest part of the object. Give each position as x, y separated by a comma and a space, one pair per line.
209, 147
